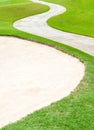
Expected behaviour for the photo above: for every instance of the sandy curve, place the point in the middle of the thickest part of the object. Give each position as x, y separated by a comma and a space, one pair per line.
33, 76
37, 25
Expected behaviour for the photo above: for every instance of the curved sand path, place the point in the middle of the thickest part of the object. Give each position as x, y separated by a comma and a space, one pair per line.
33, 76
37, 25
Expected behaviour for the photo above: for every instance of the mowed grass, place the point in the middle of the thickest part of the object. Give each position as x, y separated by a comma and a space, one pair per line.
75, 112
7, 2
79, 17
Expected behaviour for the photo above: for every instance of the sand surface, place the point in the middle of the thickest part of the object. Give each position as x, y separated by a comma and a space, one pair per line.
37, 25
33, 76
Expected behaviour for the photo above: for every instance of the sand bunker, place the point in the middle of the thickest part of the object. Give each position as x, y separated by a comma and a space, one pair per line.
33, 76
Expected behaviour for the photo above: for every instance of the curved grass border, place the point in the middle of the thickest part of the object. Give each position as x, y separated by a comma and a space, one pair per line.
73, 112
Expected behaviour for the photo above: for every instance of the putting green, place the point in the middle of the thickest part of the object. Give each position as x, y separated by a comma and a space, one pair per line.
78, 19
7, 2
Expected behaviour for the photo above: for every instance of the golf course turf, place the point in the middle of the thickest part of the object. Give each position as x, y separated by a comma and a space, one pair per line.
75, 112
79, 17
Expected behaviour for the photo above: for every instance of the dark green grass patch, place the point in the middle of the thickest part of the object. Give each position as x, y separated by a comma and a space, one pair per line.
79, 17
11, 13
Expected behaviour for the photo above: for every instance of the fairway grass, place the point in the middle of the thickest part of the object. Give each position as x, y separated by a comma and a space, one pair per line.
75, 112
8, 2
79, 17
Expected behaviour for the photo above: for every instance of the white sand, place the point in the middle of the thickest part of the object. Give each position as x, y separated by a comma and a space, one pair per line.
33, 76
37, 25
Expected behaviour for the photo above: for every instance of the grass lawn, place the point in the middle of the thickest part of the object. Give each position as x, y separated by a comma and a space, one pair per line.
79, 17
7, 2
75, 112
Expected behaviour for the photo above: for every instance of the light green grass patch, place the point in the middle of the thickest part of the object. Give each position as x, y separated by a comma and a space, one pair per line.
79, 17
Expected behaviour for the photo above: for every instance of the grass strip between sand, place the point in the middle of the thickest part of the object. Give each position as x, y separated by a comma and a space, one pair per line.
79, 17
75, 112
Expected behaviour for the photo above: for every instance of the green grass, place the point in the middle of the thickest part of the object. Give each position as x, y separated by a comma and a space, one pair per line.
7, 2
75, 112
79, 17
